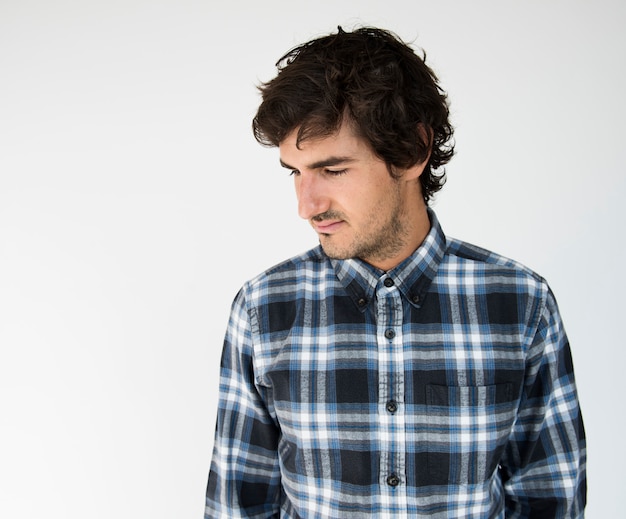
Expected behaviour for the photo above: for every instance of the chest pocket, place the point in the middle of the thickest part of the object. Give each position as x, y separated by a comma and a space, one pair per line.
468, 430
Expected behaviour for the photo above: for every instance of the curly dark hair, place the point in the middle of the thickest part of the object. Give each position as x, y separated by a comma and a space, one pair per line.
378, 83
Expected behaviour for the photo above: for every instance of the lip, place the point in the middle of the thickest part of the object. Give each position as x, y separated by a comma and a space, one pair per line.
327, 226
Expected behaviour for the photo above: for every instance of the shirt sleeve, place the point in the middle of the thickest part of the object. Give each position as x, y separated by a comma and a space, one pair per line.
244, 480
544, 464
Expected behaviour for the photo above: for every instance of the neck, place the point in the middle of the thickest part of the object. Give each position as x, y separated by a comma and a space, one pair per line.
414, 226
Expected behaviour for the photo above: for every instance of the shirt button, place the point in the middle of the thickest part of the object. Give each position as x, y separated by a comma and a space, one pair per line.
392, 406
388, 282
415, 299
362, 302
393, 480
390, 334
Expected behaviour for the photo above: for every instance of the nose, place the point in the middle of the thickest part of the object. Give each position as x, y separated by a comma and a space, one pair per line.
312, 199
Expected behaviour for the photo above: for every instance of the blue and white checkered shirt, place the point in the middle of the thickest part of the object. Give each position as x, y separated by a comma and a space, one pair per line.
441, 388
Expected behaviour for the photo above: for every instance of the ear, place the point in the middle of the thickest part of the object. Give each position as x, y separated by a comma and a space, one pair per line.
414, 172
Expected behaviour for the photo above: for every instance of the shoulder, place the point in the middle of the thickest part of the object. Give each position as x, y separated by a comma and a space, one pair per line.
506, 290
467, 261
458, 251
271, 301
287, 277
312, 259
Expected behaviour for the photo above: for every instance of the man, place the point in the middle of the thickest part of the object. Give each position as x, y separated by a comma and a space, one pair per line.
391, 371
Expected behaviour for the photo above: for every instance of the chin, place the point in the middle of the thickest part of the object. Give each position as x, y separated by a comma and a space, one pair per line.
334, 253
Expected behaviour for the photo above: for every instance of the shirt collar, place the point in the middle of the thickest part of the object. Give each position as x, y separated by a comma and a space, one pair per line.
412, 277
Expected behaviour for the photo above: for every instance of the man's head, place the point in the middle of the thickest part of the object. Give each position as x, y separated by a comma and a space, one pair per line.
371, 80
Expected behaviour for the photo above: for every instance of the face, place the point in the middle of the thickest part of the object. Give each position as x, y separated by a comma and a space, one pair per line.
353, 203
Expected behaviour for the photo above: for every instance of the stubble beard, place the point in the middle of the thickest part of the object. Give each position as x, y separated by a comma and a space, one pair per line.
375, 243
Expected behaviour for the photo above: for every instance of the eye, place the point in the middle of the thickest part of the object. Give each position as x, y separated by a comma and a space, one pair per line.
335, 172
294, 173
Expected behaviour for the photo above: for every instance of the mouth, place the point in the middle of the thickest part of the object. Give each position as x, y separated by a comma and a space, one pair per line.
327, 226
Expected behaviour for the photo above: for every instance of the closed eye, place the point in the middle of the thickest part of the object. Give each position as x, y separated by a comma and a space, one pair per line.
335, 172
292, 171
325, 166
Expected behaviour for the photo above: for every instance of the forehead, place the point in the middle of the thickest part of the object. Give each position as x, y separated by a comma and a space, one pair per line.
345, 142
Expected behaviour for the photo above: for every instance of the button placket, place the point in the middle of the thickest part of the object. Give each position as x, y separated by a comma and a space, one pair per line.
389, 310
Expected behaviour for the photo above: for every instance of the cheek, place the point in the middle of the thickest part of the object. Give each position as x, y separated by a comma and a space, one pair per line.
378, 197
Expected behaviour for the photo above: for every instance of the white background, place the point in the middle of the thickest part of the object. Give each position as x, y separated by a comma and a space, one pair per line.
134, 202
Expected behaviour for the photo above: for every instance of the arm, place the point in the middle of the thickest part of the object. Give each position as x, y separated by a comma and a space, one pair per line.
544, 464
244, 480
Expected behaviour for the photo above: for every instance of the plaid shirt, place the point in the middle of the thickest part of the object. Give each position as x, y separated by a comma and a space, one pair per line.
441, 388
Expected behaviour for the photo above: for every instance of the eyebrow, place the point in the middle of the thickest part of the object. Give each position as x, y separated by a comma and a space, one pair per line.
325, 163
